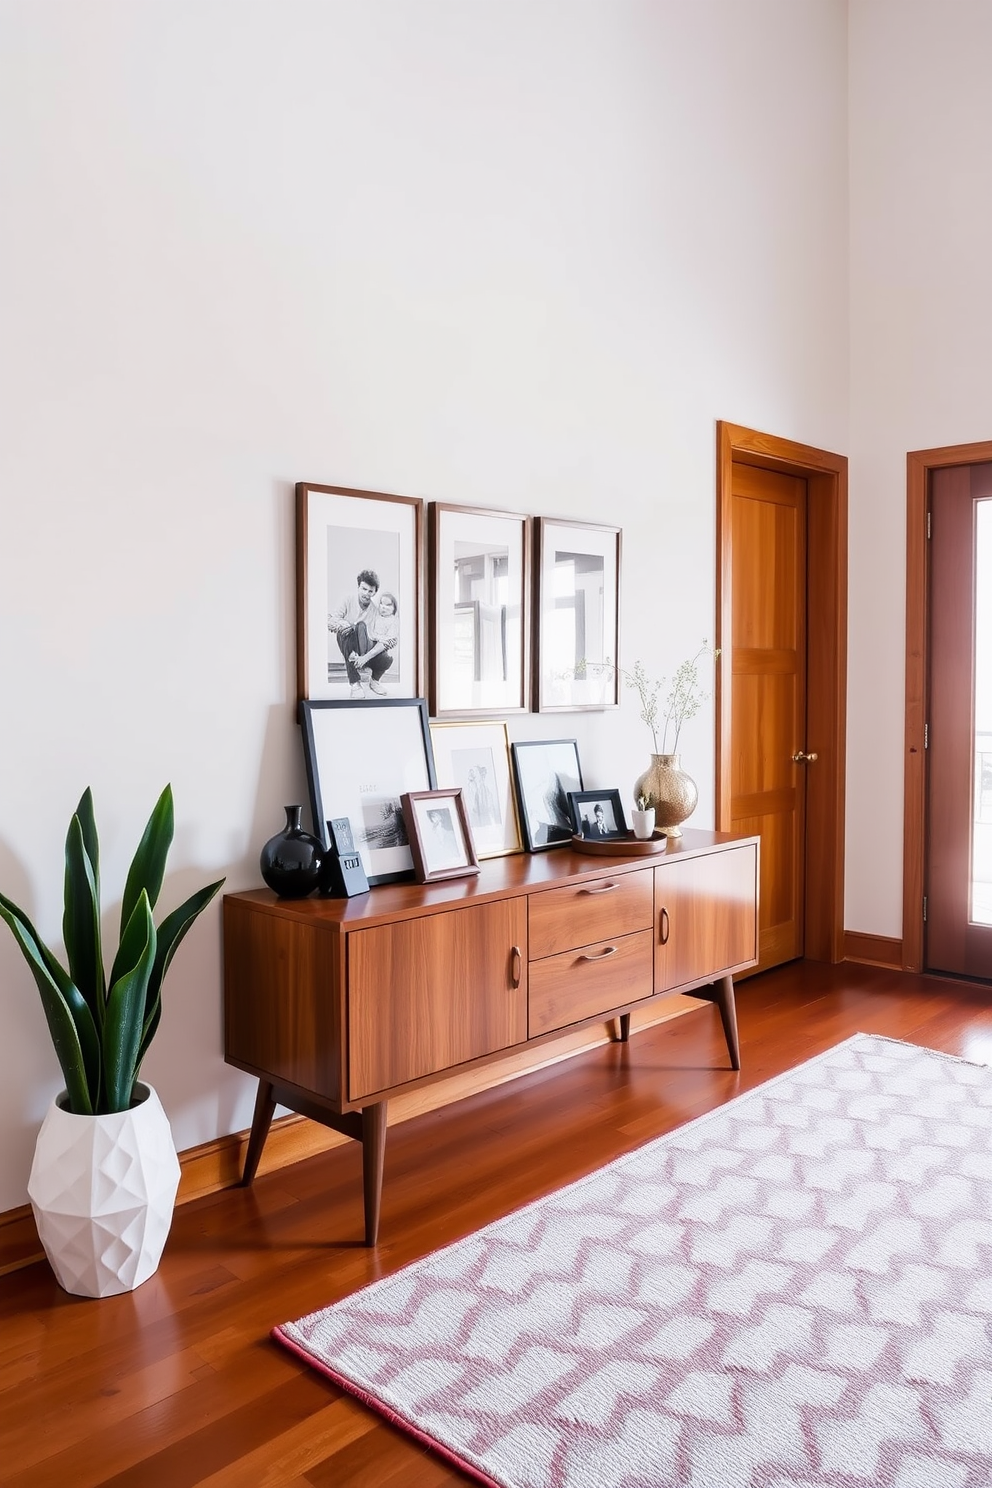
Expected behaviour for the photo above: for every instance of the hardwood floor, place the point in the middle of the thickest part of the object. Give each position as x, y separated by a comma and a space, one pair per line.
179, 1383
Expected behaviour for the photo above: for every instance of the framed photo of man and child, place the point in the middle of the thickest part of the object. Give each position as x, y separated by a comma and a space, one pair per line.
359, 597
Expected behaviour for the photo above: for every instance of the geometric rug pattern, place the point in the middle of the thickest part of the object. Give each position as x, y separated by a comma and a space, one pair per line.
792, 1291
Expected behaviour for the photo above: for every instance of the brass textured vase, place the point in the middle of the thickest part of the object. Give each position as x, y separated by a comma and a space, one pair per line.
671, 792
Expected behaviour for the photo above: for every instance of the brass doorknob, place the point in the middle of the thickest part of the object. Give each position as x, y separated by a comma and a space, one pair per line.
801, 758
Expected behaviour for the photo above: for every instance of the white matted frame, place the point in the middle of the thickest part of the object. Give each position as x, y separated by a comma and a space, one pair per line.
547, 771
479, 589
440, 837
476, 757
361, 759
577, 619
342, 535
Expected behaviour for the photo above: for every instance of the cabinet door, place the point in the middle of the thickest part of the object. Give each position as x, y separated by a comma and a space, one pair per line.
705, 913
430, 993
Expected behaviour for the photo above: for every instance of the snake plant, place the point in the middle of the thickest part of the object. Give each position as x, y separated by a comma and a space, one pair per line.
101, 1026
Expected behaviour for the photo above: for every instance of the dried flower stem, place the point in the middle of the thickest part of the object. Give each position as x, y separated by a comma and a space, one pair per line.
682, 701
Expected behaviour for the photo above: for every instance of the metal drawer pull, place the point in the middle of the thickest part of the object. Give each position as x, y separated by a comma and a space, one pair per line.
516, 966
666, 926
607, 951
605, 889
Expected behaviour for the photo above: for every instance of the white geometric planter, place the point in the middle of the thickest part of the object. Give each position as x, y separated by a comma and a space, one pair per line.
103, 1189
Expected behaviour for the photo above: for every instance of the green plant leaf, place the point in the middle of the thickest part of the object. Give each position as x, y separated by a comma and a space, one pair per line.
70, 1021
148, 866
170, 935
126, 1005
91, 842
81, 922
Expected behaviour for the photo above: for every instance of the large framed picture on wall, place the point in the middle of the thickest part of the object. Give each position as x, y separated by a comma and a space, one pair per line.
479, 583
359, 594
577, 626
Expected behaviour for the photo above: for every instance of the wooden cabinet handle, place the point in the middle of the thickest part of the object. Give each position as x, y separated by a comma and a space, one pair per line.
516, 966
604, 889
601, 955
665, 926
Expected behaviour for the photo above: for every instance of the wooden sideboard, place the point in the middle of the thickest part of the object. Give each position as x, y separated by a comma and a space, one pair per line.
338, 1005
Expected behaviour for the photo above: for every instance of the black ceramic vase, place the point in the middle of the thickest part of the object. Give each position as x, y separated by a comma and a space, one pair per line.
292, 860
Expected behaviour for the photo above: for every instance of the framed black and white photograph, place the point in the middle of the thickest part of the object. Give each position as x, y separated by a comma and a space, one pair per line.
547, 771
479, 599
440, 835
361, 758
597, 814
577, 625
476, 757
359, 594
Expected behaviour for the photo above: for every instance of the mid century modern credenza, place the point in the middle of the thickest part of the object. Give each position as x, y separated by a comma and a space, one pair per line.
339, 1005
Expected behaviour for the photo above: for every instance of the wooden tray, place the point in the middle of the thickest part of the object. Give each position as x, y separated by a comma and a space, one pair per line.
620, 847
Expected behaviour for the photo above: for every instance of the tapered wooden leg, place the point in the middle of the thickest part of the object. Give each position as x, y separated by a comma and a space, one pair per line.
265, 1104
373, 1159
623, 1028
724, 999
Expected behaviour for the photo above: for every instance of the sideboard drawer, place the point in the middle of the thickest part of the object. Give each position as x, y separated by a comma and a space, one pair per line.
581, 914
580, 984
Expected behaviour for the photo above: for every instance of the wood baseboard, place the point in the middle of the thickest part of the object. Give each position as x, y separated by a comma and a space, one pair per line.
873, 950
217, 1164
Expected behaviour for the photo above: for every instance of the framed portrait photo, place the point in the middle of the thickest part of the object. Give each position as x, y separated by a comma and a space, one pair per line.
439, 834
361, 759
597, 814
359, 596
577, 625
479, 584
547, 771
476, 757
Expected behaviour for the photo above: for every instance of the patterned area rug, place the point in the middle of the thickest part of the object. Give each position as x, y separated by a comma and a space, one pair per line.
793, 1291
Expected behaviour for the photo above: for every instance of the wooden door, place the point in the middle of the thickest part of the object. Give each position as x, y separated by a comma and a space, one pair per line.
704, 916
768, 695
958, 928
430, 993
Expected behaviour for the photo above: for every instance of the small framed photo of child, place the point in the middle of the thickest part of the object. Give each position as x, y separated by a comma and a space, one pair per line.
597, 814
440, 836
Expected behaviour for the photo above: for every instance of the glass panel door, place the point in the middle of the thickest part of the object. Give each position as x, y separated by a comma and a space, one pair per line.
958, 928
981, 839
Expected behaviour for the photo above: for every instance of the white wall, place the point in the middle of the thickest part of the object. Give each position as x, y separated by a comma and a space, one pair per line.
921, 333
502, 252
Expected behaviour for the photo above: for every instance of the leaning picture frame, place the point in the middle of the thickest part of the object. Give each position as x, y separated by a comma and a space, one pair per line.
359, 594
546, 771
479, 599
597, 814
440, 836
475, 755
361, 758
577, 616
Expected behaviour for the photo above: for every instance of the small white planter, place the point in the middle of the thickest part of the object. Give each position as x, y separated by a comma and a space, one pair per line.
643, 822
103, 1189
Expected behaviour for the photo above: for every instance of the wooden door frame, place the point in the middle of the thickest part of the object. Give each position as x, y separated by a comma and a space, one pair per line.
826, 683
919, 464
